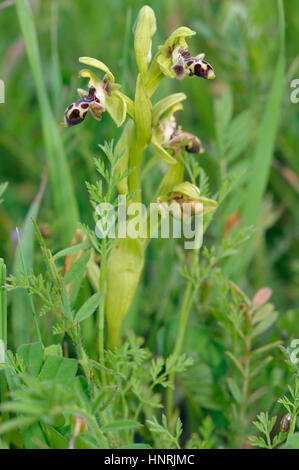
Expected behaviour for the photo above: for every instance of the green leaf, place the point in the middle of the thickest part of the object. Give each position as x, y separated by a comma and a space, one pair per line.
136, 446
70, 250
75, 275
60, 369
3, 187
264, 325
86, 441
88, 307
56, 440
120, 425
292, 442
16, 423
53, 350
262, 313
33, 356
124, 267
235, 390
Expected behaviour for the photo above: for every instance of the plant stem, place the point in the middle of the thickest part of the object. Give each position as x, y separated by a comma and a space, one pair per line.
294, 413
188, 300
102, 305
135, 177
81, 352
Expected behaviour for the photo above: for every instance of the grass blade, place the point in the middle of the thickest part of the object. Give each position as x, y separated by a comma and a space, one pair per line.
61, 184
21, 302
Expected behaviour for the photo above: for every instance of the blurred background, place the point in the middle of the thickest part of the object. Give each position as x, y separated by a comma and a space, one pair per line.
241, 40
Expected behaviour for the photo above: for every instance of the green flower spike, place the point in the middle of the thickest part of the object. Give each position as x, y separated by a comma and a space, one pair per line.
102, 95
176, 61
169, 141
187, 192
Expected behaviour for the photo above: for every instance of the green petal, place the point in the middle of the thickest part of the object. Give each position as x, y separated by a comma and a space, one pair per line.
98, 65
179, 34
116, 107
165, 104
93, 79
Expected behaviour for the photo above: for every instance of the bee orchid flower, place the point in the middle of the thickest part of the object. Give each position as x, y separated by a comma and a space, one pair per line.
169, 140
102, 95
174, 59
188, 193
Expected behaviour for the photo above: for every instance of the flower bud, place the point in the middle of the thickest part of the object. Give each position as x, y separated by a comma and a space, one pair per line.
145, 28
188, 193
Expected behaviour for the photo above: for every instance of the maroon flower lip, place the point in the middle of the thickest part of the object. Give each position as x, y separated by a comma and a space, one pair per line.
76, 112
192, 66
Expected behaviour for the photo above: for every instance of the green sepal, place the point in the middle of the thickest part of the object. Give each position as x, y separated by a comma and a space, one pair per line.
178, 36
166, 104
94, 81
188, 190
173, 177
98, 65
116, 107
161, 152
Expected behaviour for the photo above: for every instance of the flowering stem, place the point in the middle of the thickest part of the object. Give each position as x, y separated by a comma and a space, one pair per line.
102, 304
188, 300
135, 176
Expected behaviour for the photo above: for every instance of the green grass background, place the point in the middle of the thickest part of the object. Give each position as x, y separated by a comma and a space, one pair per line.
245, 119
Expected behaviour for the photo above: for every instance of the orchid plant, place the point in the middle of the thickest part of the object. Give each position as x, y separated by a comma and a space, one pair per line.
148, 125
